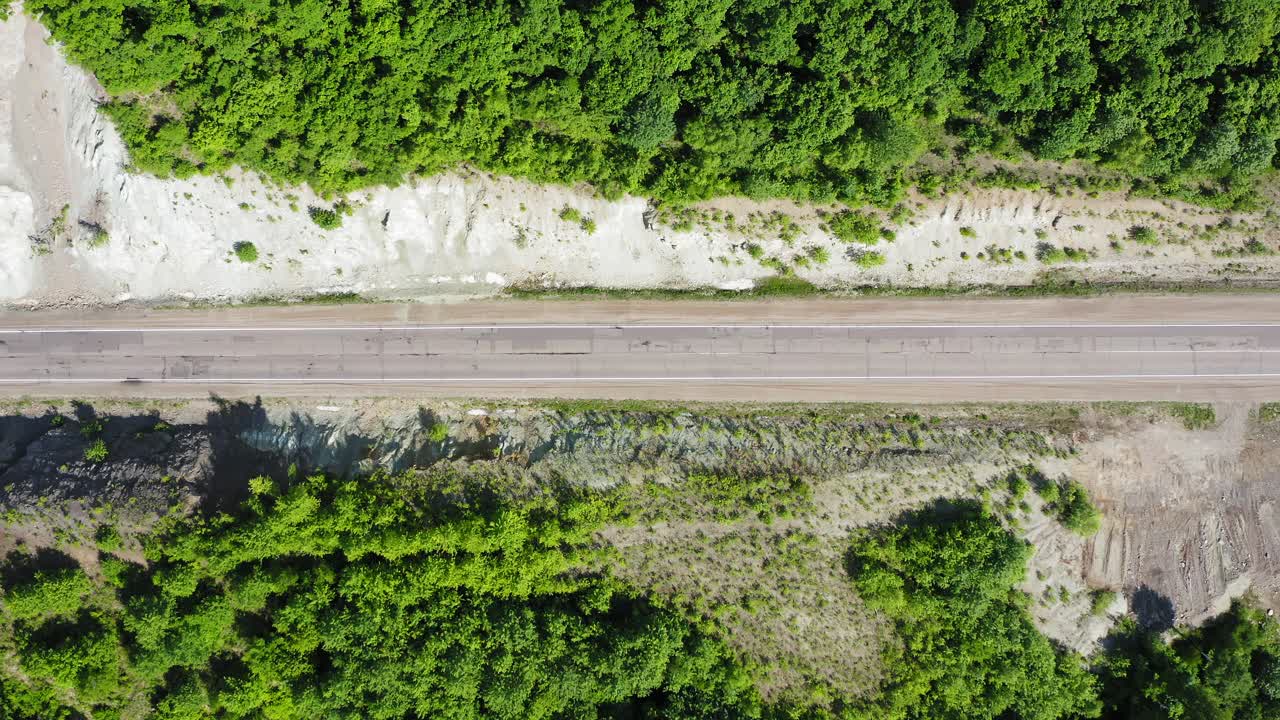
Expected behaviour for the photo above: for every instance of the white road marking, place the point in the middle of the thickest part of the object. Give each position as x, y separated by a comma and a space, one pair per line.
624, 326
656, 378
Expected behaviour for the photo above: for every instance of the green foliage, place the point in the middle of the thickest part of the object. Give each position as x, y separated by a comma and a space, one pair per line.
968, 232
869, 259
857, 227
1100, 601
325, 218
439, 432
96, 452
1068, 501
1194, 416
765, 496
1143, 235
1050, 254
246, 251
48, 594
423, 595
108, 539
815, 100
968, 647
1230, 668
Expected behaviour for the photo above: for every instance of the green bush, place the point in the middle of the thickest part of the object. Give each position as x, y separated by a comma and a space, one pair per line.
947, 579
1229, 668
49, 594
1068, 501
96, 452
1143, 235
246, 251
855, 227
1100, 601
438, 433
325, 218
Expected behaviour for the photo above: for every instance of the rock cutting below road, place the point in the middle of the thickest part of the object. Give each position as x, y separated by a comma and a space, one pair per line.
1189, 514
77, 227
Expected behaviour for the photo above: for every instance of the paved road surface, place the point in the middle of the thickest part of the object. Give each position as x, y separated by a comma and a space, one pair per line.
850, 360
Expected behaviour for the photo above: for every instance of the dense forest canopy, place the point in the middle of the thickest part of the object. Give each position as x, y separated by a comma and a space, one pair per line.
680, 99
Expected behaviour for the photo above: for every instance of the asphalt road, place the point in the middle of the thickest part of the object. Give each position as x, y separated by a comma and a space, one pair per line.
1000, 359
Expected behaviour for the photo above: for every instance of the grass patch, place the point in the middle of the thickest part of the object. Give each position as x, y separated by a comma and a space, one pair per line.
1143, 235
1194, 416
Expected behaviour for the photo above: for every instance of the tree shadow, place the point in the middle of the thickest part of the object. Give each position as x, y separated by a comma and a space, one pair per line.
1153, 610
19, 568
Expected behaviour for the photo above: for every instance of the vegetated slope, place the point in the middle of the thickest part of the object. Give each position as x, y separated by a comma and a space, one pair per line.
816, 100
463, 593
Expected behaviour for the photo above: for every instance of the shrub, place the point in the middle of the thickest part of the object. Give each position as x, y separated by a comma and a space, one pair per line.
1143, 235
1068, 501
326, 218
108, 539
96, 452
50, 593
1101, 601
246, 251
438, 432
849, 226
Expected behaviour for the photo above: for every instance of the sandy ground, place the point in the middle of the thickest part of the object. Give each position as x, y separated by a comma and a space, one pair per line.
1189, 514
465, 234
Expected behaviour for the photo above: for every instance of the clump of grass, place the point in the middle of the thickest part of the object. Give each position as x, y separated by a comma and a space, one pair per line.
968, 232
570, 214
868, 259
1194, 416
438, 432
588, 225
1143, 235
96, 452
1050, 254
246, 251
1269, 412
